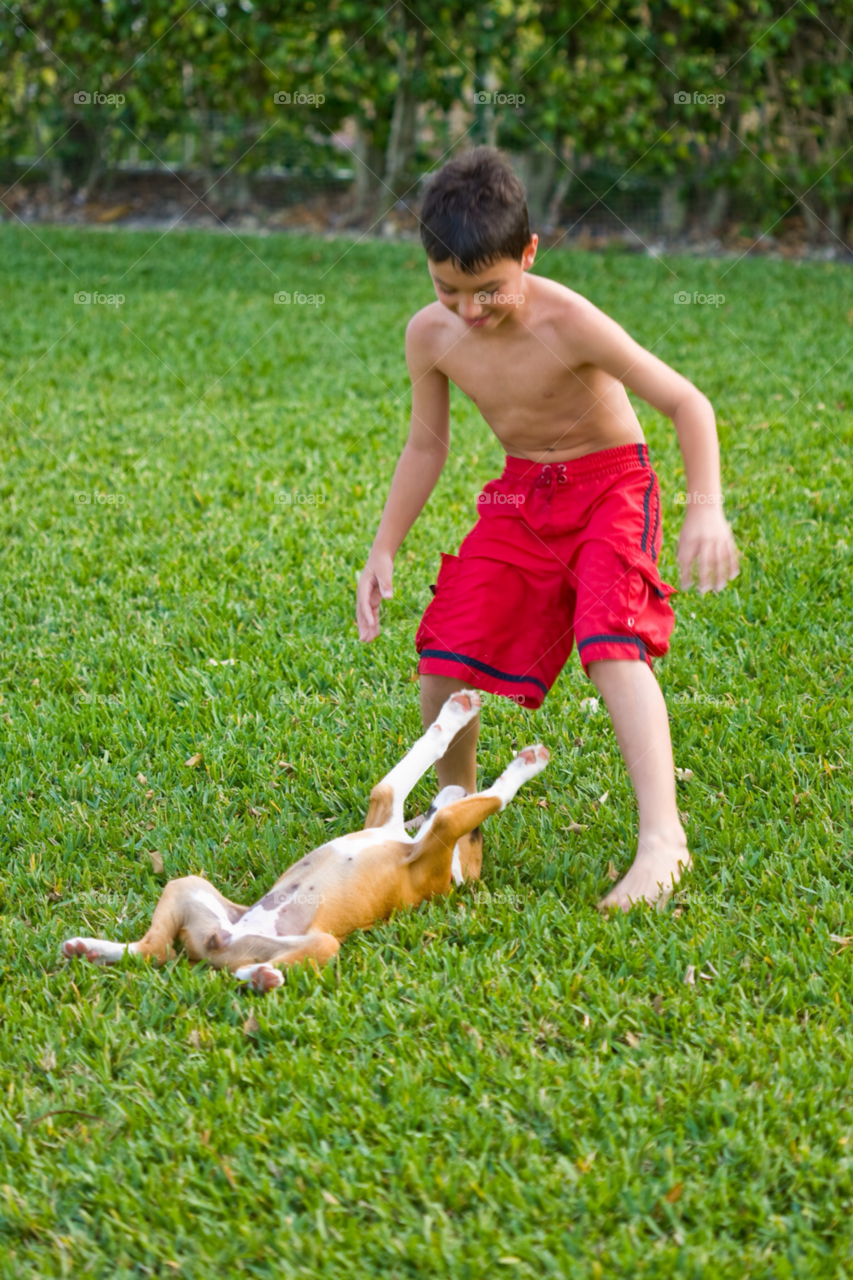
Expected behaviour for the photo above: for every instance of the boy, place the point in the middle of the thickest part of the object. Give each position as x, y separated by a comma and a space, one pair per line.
568, 538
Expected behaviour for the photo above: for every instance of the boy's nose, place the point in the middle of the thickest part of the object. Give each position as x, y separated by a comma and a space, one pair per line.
469, 307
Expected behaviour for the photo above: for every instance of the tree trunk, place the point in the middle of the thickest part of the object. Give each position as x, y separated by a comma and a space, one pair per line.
536, 170
561, 190
96, 166
672, 211
814, 226
718, 207
401, 137
367, 159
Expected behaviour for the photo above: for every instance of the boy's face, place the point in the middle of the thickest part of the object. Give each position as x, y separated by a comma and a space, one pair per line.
483, 299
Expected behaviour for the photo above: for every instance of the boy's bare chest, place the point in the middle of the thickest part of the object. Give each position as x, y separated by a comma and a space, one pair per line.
527, 376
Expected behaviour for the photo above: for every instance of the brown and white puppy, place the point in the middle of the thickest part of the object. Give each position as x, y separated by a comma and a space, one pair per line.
349, 883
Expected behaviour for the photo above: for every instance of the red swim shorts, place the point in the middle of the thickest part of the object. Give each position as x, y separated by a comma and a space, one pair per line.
560, 553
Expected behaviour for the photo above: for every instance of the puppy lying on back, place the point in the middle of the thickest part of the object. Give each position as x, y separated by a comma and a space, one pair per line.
348, 883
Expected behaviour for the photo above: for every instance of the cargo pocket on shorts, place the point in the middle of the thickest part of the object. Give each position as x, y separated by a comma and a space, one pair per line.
648, 613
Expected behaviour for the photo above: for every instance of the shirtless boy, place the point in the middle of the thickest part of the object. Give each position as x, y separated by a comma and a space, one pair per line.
567, 542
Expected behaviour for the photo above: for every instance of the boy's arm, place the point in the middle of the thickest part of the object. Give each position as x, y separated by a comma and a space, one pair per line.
706, 538
415, 475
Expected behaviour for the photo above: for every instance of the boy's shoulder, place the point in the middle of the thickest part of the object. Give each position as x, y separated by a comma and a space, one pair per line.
432, 320
429, 334
557, 301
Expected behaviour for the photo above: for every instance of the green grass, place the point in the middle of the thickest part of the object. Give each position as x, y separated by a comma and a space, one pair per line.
501, 1084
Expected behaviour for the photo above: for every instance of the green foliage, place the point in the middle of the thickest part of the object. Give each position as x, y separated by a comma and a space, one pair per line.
763, 114
501, 1080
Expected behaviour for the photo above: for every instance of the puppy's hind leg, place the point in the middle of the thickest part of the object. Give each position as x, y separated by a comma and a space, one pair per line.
451, 825
388, 796
190, 909
526, 765
266, 975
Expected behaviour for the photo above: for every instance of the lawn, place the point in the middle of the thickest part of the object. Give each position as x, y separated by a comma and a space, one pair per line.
501, 1082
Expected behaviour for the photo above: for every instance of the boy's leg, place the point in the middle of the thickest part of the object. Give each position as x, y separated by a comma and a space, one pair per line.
640, 719
458, 766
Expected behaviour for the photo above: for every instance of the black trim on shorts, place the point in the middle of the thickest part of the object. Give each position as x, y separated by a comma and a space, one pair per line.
448, 656
646, 514
613, 640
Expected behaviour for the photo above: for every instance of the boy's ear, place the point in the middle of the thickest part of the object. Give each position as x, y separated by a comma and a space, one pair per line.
529, 255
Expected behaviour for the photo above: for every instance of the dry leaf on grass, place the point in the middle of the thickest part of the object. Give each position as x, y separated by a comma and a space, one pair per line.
657, 1005
285, 764
142, 780
193, 762
575, 826
674, 1194
251, 1025
156, 861
329, 1198
474, 1034
690, 976
612, 873
631, 1040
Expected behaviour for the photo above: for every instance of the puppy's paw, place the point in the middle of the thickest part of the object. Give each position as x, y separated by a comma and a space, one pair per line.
96, 950
260, 977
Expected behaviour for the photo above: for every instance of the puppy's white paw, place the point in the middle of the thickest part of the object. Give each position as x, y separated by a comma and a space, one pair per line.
526, 765
260, 977
459, 709
96, 950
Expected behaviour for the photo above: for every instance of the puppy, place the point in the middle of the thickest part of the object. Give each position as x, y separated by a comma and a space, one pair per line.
349, 883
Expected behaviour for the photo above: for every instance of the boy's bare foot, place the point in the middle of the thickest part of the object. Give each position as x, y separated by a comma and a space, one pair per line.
655, 872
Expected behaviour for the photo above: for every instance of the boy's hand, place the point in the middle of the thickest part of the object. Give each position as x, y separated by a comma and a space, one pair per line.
706, 541
375, 584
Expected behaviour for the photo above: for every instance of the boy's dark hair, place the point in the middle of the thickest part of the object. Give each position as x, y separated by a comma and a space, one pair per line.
474, 212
